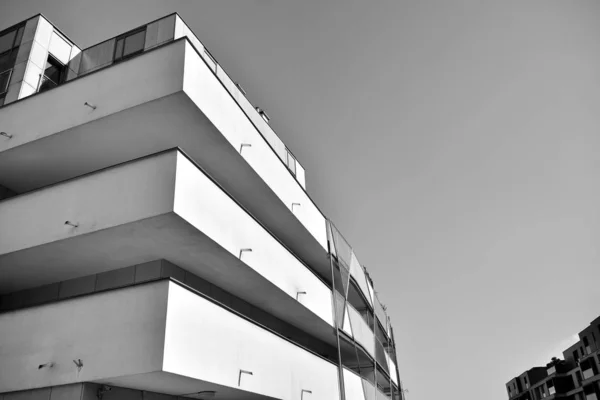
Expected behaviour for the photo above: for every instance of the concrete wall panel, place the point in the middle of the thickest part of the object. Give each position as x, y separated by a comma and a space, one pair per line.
162, 67
30, 29
111, 197
205, 341
115, 278
59, 48
85, 328
77, 286
206, 91
43, 34
199, 201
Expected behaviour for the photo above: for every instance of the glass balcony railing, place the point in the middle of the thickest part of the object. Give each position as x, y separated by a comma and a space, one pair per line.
46, 83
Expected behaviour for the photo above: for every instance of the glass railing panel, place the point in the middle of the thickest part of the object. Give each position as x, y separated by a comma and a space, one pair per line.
380, 356
95, 57
357, 271
393, 371
370, 391
46, 84
381, 396
361, 331
380, 313
353, 386
159, 32
588, 373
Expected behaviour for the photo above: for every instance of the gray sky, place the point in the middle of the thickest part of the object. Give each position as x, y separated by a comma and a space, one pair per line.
454, 143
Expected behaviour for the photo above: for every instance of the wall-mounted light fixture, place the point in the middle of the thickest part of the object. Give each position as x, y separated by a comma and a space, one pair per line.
244, 145
93, 107
78, 363
243, 251
47, 365
304, 391
294, 205
6, 135
240, 375
73, 224
298, 294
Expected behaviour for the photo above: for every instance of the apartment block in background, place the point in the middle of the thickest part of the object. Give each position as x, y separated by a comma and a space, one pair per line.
157, 239
575, 377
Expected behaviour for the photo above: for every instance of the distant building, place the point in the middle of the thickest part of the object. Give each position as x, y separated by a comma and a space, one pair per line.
156, 238
576, 377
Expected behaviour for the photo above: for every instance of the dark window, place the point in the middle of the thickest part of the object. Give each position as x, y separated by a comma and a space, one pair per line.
53, 74
9, 47
11, 39
4, 79
130, 44
7, 41
585, 341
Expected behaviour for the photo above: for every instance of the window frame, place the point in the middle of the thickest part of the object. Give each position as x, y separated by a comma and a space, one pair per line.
123, 38
4, 91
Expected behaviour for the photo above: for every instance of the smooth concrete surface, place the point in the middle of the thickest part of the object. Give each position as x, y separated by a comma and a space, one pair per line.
113, 333
142, 108
158, 207
199, 330
169, 340
200, 202
207, 93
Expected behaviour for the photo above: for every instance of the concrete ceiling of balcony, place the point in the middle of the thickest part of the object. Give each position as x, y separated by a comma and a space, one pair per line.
164, 382
168, 122
169, 237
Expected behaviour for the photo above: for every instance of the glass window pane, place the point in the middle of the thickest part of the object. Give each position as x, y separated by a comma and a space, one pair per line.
4, 78
134, 43
119, 50
19, 36
6, 41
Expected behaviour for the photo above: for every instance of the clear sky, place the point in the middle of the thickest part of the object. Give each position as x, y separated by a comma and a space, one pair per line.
456, 144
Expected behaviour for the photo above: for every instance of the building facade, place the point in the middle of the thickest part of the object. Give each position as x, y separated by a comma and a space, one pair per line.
156, 237
575, 377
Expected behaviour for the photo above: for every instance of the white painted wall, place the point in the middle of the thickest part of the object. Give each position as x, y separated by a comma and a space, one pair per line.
114, 333
111, 197
199, 201
205, 341
182, 30
203, 87
156, 74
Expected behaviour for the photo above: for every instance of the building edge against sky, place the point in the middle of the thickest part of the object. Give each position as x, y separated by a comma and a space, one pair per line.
170, 247
575, 377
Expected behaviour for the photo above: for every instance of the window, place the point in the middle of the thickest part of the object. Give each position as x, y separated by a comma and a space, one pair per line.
130, 44
53, 74
9, 46
4, 80
291, 163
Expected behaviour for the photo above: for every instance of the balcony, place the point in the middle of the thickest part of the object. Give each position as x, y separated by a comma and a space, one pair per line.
169, 95
170, 340
159, 207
